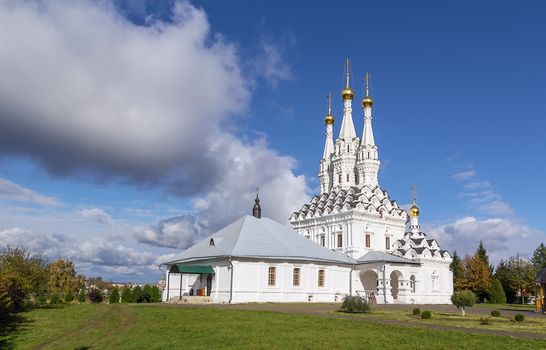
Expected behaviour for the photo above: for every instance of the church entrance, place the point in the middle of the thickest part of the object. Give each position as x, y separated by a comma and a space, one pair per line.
395, 277
369, 282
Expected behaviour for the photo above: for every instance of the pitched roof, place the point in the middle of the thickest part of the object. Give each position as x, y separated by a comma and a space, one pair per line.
378, 256
259, 238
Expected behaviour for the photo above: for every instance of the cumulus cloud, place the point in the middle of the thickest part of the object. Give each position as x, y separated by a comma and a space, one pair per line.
502, 237
464, 175
96, 215
12, 191
176, 232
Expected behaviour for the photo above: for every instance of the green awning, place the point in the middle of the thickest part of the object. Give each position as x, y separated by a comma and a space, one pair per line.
179, 268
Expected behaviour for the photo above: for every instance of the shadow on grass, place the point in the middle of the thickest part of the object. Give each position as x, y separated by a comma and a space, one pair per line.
9, 326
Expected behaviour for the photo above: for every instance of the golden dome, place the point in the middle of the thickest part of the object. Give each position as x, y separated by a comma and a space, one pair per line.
367, 102
414, 211
347, 94
329, 119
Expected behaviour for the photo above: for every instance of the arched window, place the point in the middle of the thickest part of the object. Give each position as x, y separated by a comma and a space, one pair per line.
348, 149
412, 283
340, 178
348, 178
211, 242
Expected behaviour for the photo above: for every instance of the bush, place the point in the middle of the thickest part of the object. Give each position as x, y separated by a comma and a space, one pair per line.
519, 317
95, 295
426, 314
81, 296
416, 311
155, 295
114, 296
54, 299
355, 304
69, 297
497, 295
126, 295
41, 300
147, 293
138, 296
484, 321
495, 313
462, 299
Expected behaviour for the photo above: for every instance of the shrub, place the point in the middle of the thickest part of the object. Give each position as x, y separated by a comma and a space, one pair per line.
426, 314
41, 300
495, 313
355, 304
126, 295
416, 311
497, 295
95, 295
81, 296
69, 297
484, 321
462, 299
137, 294
114, 296
155, 295
55, 299
519, 317
147, 293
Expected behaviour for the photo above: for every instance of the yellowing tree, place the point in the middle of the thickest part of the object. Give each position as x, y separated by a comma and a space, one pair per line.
63, 278
474, 276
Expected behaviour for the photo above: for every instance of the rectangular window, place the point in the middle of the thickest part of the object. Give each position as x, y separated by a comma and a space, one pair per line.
368, 241
322, 240
321, 278
272, 276
387, 243
296, 277
339, 240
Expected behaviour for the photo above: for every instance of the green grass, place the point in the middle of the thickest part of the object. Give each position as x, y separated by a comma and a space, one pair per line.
161, 327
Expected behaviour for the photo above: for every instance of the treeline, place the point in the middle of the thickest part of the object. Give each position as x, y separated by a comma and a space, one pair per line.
29, 280
512, 280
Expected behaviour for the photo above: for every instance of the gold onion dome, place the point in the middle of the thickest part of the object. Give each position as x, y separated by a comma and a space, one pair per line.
414, 211
367, 102
329, 119
347, 94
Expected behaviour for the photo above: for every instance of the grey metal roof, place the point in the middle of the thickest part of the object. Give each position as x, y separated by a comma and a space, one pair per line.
377, 256
259, 238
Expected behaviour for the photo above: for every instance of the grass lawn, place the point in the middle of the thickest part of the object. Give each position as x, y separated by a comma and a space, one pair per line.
454, 319
162, 327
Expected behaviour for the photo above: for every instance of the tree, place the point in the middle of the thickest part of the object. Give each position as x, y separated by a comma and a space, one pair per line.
22, 275
482, 254
456, 267
497, 295
114, 296
81, 296
463, 299
99, 283
69, 297
137, 294
147, 293
126, 295
475, 276
62, 277
95, 295
539, 257
517, 277
155, 295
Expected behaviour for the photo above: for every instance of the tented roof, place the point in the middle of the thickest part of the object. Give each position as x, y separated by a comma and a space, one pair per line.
259, 238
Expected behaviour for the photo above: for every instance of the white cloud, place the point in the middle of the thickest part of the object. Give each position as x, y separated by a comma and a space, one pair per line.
476, 185
502, 237
96, 215
271, 64
177, 232
14, 192
464, 175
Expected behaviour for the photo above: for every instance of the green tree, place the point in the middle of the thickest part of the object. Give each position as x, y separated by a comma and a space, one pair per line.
137, 294
475, 276
539, 257
126, 295
146, 293
69, 296
463, 299
81, 296
456, 267
482, 254
497, 295
517, 277
155, 295
114, 296
22, 275
62, 277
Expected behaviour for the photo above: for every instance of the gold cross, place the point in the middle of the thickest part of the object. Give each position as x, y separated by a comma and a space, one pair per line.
367, 78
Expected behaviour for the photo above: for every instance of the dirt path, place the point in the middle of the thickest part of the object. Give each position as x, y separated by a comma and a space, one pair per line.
328, 310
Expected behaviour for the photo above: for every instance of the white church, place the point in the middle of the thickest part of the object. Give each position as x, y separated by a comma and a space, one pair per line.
352, 239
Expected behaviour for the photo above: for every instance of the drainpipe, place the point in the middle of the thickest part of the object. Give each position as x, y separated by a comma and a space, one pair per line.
231, 281
351, 280
168, 277
384, 284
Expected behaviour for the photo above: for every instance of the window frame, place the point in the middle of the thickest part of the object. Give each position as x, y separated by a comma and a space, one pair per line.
321, 278
272, 276
296, 277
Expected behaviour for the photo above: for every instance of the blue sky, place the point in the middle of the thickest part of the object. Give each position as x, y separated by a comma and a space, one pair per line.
131, 129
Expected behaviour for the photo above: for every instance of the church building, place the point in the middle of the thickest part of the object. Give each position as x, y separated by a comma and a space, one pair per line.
352, 239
